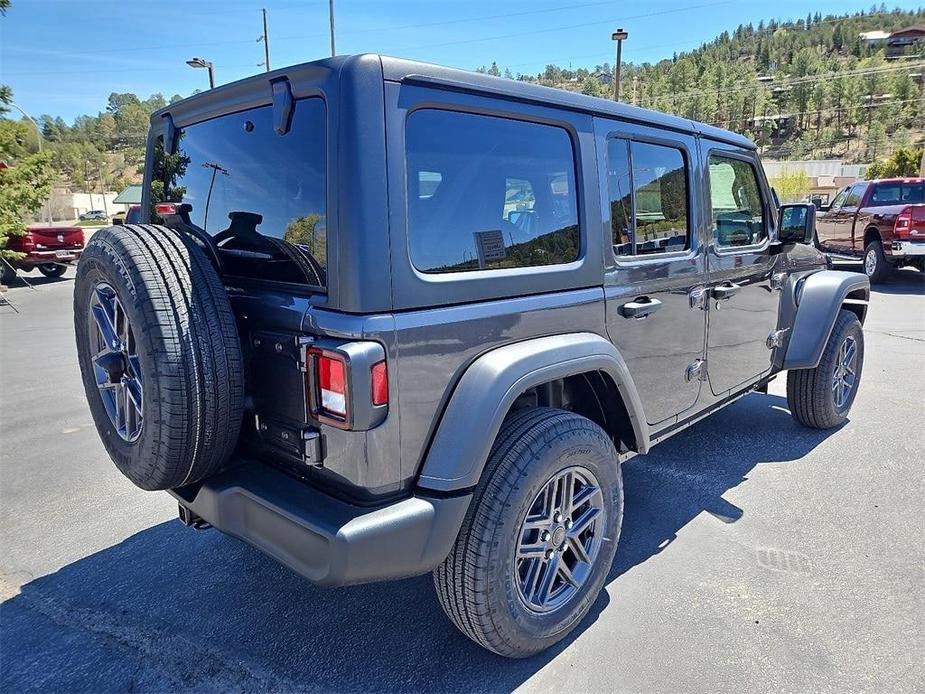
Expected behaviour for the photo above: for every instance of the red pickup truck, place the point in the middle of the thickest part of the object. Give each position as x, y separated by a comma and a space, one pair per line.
50, 249
881, 222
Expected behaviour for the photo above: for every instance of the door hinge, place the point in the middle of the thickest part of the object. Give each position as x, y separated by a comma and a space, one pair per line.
777, 280
697, 298
696, 371
776, 338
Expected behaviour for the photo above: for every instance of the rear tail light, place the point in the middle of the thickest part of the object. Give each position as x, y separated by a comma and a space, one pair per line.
347, 384
28, 243
330, 384
165, 208
903, 224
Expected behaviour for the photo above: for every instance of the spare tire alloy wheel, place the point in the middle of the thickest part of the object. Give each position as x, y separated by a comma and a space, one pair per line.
116, 366
560, 537
159, 355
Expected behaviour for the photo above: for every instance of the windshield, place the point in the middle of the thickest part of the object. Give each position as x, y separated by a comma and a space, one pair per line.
258, 194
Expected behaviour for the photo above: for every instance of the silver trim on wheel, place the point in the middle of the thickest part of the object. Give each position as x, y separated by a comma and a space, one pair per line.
116, 367
559, 539
845, 376
870, 261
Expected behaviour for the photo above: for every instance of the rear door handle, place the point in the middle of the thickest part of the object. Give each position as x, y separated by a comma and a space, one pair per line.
640, 308
725, 291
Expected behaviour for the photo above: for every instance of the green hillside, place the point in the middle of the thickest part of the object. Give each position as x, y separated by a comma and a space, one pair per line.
805, 89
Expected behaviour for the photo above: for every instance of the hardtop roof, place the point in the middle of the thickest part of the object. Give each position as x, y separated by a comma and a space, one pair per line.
410, 71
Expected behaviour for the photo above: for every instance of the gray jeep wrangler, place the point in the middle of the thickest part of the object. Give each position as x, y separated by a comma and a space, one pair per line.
384, 318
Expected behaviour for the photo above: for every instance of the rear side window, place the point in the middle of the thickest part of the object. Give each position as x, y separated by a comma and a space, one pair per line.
260, 195
648, 189
899, 193
736, 206
489, 193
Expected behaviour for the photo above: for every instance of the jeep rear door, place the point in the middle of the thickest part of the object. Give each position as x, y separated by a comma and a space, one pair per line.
744, 294
654, 264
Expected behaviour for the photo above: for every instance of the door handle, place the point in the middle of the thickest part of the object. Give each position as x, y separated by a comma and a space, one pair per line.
725, 291
640, 308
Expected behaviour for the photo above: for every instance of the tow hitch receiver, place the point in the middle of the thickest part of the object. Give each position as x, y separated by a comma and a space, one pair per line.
191, 520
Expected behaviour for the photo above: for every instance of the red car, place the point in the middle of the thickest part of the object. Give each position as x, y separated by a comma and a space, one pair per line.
881, 222
50, 249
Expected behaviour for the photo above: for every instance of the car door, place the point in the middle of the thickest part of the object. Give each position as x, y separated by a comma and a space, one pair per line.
825, 222
744, 296
655, 263
844, 223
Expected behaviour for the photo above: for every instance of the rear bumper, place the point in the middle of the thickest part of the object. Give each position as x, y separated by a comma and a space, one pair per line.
908, 249
62, 257
328, 541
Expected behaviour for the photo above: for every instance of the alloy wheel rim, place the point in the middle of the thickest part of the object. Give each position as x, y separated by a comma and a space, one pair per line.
116, 367
845, 375
870, 262
559, 540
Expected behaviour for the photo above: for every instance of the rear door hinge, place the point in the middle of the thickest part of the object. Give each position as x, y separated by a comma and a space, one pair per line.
776, 338
696, 371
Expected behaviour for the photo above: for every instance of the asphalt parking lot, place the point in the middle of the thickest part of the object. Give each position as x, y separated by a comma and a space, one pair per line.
756, 556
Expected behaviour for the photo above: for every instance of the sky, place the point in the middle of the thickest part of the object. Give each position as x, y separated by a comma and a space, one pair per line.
64, 57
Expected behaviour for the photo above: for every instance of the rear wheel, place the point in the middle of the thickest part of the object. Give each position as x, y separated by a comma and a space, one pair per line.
7, 272
540, 534
52, 269
159, 354
876, 266
820, 398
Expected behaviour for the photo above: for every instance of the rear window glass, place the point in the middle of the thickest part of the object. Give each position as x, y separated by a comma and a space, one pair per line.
489, 193
898, 194
258, 194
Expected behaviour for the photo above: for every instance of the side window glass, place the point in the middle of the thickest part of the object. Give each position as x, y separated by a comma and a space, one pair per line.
489, 193
839, 199
621, 195
735, 201
854, 196
648, 190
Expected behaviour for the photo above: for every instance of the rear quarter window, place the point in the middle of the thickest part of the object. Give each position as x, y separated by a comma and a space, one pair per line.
487, 193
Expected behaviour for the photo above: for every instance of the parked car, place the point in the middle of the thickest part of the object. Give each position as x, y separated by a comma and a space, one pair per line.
881, 222
353, 359
132, 216
92, 215
48, 249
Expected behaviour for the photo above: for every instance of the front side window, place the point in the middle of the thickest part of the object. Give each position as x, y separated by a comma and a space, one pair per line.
489, 193
736, 204
648, 189
258, 194
855, 195
839, 199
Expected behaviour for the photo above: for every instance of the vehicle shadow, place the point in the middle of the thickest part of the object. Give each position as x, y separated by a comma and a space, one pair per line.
38, 280
174, 609
901, 281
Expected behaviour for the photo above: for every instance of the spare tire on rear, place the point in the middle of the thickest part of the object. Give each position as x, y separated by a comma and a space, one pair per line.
159, 355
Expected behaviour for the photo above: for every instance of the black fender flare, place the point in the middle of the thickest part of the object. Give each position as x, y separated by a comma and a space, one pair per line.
818, 298
492, 383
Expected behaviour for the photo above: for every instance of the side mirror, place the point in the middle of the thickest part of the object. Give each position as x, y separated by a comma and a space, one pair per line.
797, 223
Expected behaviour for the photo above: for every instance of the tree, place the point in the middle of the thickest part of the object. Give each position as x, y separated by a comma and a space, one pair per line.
905, 161
24, 187
303, 232
791, 186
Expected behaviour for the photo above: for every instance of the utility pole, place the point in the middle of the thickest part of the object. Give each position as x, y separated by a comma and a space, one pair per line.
619, 36
99, 169
266, 41
331, 13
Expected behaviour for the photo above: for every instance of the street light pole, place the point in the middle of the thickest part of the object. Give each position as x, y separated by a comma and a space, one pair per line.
619, 36
38, 132
331, 13
200, 62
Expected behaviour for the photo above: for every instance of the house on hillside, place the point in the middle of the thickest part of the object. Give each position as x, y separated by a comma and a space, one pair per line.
899, 42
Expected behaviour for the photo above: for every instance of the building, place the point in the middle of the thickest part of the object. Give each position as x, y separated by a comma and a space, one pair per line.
897, 42
826, 176
65, 203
